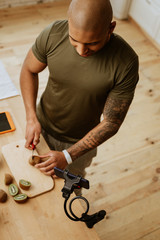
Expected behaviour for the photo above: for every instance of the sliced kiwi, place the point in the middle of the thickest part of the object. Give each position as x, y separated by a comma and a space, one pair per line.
13, 190
24, 184
21, 198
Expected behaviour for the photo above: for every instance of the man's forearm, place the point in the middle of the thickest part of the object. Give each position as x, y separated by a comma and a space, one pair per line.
114, 113
102, 132
29, 89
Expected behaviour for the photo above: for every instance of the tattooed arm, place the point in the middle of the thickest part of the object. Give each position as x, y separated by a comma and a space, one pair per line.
114, 113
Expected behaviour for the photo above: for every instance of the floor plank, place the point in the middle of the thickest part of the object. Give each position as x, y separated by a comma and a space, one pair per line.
124, 177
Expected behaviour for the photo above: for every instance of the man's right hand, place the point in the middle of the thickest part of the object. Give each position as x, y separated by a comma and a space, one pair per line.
33, 130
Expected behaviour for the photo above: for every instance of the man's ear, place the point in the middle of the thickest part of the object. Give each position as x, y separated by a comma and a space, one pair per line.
112, 27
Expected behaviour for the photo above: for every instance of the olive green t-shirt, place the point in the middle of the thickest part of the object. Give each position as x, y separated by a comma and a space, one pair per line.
77, 88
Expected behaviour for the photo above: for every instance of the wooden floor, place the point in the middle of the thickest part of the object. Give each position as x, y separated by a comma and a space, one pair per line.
125, 175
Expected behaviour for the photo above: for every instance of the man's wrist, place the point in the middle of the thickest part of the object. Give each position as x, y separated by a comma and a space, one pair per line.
67, 156
31, 116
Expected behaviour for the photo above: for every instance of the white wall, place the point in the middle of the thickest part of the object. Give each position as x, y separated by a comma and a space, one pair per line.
147, 14
120, 8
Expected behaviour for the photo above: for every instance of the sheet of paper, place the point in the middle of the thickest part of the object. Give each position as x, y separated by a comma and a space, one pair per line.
7, 88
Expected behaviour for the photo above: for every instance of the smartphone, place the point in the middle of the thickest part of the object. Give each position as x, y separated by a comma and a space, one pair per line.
83, 183
6, 123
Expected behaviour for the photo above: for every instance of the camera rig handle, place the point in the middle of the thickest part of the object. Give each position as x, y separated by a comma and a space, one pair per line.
70, 184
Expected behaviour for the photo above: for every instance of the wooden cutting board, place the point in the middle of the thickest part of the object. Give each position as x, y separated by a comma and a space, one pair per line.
17, 156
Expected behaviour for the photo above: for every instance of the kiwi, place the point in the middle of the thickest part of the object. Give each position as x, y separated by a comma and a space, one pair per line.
21, 198
25, 185
3, 196
33, 160
8, 179
13, 190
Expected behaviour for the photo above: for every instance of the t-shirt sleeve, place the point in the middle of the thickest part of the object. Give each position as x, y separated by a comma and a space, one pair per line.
40, 45
126, 81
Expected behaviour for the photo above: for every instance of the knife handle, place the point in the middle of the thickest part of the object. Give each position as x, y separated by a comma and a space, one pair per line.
33, 146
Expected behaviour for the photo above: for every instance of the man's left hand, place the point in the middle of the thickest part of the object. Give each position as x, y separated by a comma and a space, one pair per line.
55, 159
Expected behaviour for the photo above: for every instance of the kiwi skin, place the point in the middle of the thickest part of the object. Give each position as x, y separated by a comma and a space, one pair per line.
8, 179
33, 160
3, 196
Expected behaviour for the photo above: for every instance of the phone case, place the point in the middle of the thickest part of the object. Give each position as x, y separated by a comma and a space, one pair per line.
6, 123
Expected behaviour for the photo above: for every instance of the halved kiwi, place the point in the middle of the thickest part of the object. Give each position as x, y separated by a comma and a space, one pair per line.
24, 184
21, 198
13, 190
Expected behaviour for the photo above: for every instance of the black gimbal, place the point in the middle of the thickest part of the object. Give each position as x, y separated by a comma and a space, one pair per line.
76, 182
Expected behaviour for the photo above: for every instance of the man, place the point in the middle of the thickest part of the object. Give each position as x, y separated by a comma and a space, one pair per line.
91, 71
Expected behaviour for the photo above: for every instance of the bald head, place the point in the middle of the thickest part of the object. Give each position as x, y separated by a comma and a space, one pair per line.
90, 15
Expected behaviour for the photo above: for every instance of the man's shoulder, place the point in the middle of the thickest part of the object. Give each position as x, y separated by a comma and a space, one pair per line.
58, 26
122, 47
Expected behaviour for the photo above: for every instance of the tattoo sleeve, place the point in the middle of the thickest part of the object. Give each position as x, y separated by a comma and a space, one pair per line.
114, 113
